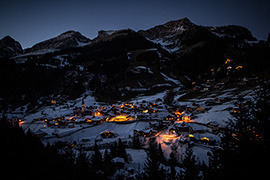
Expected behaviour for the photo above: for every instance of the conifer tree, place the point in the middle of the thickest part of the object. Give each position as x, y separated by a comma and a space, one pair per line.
121, 150
152, 163
245, 144
96, 159
113, 149
191, 169
108, 166
172, 164
136, 142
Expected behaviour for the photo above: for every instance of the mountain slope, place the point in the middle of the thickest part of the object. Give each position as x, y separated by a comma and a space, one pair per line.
9, 47
65, 40
183, 36
122, 64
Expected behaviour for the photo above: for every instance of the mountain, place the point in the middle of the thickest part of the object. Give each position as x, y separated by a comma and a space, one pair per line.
122, 64
9, 47
183, 36
65, 40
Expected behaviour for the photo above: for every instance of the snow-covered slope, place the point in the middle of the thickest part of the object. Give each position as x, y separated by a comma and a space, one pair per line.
182, 35
168, 34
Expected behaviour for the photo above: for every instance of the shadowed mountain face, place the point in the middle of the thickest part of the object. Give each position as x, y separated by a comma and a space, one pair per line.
183, 35
65, 40
121, 64
9, 47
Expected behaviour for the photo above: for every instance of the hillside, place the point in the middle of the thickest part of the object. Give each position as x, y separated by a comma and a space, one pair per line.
122, 64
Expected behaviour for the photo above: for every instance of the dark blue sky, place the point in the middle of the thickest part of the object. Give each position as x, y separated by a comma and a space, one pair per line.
32, 21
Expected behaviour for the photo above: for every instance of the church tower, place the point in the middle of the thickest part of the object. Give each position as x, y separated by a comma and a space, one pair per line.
83, 106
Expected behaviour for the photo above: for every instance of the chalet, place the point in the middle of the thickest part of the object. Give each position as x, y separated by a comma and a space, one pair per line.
169, 118
97, 120
186, 118
40, 133
118, 162
182, 127
145, 133
108, 134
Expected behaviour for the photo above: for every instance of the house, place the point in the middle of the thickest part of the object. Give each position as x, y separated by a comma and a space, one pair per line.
118, 162
40, 133
146, 133
169, 118
182, 127
108, 134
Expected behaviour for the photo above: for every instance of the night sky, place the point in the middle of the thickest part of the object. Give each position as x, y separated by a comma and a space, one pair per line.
32, 21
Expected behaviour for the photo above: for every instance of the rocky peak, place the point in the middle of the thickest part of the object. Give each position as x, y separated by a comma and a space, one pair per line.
111, 34
168, 30
65, 40
232, 31
9, 47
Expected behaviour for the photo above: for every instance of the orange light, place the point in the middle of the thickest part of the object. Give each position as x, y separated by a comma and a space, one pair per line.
205, 138
227, 61
177, 113
121, 106
120, 118
186, 118
145, 111
53, 102
239, 67
98, 113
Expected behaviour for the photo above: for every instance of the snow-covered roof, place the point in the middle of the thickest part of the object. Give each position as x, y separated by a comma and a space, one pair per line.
118, 160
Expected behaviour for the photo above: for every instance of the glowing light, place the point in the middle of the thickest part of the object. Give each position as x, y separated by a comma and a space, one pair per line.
120, 118
122, 106
177, 113
239, 67
205, 138
53, 102
186, 118
98, 113
191, 136
227, 61
145, 111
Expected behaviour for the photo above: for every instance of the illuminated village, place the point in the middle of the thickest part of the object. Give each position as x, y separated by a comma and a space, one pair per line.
175, 123
175, 101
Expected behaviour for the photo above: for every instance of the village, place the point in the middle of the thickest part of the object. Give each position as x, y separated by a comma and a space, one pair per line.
168, 123
187, 121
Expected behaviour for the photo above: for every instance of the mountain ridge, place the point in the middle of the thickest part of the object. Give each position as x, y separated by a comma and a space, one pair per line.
122, 64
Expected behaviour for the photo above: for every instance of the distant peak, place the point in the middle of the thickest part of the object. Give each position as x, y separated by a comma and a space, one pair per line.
7, 38
184, 21
70, 33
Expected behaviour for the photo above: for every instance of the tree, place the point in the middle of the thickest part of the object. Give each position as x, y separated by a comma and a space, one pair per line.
121, 150
113, 149
245, 144
160, 154
172, 164
136, 142
96, 159
82, 164
152, 163
108, 166
190, 167
214, 167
